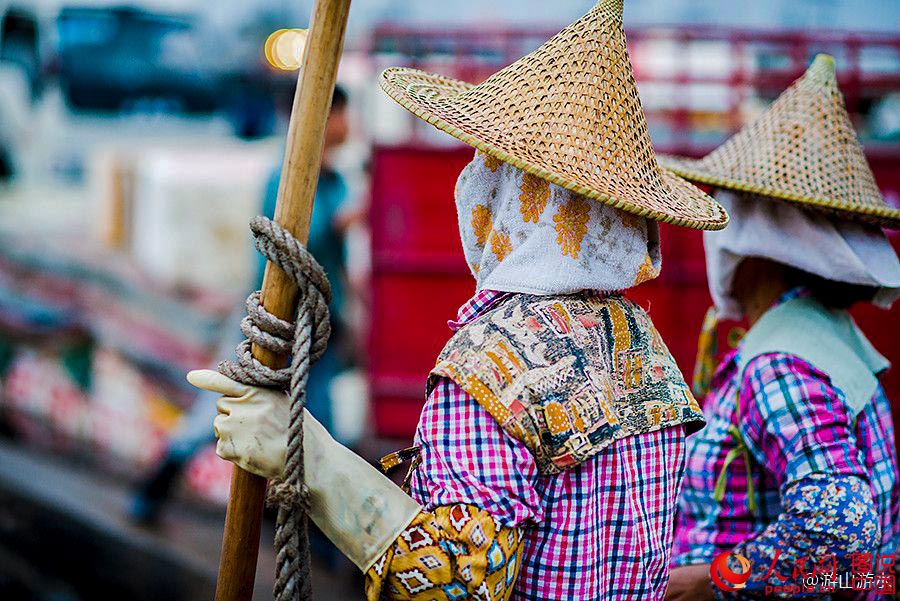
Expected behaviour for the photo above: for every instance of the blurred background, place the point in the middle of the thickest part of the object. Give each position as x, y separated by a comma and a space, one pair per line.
137, 138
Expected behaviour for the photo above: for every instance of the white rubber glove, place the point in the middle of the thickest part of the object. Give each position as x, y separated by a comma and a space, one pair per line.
251, 426
354, 504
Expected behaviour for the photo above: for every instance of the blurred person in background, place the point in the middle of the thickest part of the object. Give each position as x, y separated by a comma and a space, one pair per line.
795, 470
330, 221
332, 217
14, 105
550, 448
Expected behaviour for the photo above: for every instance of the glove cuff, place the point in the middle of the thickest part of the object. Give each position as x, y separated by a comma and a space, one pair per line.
358, 508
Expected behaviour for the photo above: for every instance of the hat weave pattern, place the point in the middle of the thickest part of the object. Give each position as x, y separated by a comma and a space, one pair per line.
802, 149
569, 113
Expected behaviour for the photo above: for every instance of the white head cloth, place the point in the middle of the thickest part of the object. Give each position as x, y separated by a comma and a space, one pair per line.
521, 233
837, 250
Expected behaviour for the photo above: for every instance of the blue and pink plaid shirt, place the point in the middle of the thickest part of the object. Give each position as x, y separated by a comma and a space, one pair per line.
825, 480
602, 530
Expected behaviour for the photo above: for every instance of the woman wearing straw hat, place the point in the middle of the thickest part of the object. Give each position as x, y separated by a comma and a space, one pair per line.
550, 448
795, 470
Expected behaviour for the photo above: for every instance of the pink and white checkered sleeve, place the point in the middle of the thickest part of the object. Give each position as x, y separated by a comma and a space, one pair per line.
466, 457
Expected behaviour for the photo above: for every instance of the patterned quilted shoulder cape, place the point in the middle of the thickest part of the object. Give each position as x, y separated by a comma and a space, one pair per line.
568, 375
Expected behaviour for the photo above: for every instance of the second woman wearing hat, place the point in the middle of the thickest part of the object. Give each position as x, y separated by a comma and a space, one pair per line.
550, 448
795, 471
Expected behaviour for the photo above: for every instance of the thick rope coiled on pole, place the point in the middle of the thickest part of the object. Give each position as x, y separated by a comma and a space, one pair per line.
305, 340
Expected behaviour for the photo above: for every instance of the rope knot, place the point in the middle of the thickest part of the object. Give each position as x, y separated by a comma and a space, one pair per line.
307, 336
285, 496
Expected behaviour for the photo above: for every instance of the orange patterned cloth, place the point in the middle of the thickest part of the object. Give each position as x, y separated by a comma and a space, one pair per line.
520, 233
568, 375
455, 552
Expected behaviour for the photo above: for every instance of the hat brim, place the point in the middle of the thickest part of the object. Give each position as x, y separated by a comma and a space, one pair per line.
693, 170
433, 99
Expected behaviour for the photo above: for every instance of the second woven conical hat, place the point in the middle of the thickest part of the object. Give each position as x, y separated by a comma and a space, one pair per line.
802, 149
569, 113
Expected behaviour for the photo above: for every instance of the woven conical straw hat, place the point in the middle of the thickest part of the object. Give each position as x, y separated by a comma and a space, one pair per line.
569, 113
802, 149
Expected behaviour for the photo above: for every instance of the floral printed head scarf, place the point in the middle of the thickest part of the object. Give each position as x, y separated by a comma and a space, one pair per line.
520, 233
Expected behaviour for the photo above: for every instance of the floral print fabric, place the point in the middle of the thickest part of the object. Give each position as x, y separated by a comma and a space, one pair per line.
826, 521
520, 233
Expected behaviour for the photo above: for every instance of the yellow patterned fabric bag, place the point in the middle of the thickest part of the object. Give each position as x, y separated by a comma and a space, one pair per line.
567, 375
455, 552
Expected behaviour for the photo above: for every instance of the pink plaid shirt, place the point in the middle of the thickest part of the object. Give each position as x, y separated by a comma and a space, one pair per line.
602, 530
825, 479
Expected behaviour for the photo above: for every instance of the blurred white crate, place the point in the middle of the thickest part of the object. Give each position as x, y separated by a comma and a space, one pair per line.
191, 212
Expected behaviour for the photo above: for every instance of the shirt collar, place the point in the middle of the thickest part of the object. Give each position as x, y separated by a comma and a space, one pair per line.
730, 360
486, 299
475, 306
795, 292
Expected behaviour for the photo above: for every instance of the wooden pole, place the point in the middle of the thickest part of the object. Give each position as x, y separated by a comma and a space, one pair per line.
296, 193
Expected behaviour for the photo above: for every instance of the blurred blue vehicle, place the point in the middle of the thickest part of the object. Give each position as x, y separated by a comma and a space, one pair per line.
156, 56
116, 58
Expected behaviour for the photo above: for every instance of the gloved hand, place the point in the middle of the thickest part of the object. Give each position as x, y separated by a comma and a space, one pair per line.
251, 425
354, 504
